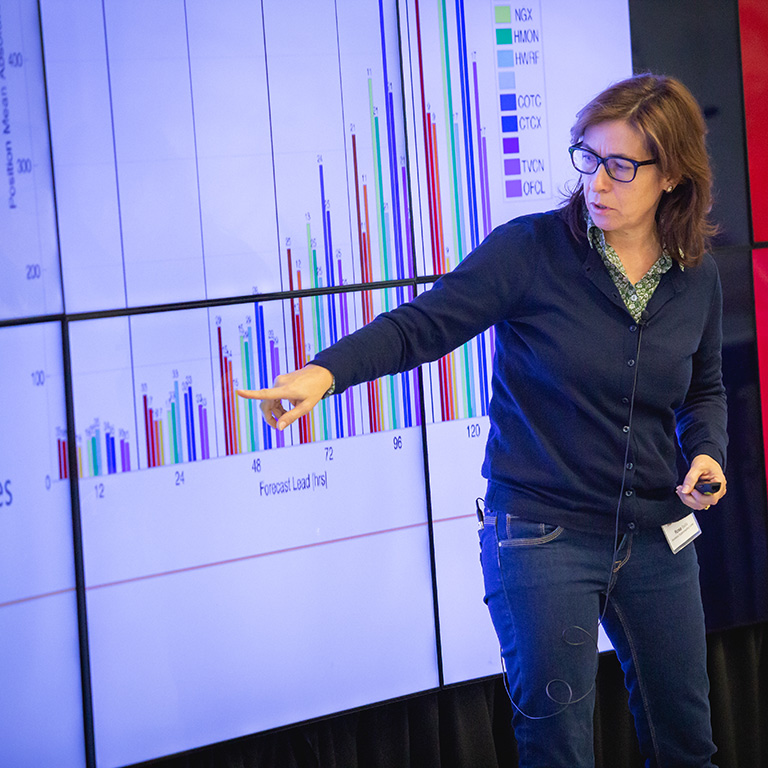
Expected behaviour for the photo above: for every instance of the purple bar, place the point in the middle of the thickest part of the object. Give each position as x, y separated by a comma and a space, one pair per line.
483, 158
514, 188
416, 395
511, 145
350, 403
275, 356
125, 455
512, 166
487, 208
203, 417
407, 225
344, 312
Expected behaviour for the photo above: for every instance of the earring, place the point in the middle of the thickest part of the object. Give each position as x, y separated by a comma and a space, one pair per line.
670, 188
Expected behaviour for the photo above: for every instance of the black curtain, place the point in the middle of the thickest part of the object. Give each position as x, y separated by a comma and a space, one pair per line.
468, 726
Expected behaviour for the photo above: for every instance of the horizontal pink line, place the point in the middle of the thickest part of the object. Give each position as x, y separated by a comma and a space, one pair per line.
37, 597
234, 560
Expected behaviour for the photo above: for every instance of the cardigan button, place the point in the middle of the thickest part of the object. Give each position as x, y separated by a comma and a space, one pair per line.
625, 429
630, 363
632, 328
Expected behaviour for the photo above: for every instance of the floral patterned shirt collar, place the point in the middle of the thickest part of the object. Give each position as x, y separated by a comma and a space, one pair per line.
637, 296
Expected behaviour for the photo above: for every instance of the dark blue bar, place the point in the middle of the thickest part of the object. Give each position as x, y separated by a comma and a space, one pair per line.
261, 361
509, 124
405, 385
111, 463
508, 102
483, 375
189, 415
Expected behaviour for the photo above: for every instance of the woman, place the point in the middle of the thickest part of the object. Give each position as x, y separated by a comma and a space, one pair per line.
608, 349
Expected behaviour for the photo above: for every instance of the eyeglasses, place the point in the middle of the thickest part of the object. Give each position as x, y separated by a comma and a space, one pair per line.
618, 168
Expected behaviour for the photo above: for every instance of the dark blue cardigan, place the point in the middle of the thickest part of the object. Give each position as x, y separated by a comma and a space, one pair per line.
566, 357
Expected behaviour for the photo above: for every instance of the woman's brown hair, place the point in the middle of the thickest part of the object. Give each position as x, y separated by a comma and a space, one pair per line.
665, 113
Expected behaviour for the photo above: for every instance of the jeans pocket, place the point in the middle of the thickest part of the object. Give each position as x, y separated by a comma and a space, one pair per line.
526, 533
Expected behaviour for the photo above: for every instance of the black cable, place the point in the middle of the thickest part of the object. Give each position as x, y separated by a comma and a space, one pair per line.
641, 323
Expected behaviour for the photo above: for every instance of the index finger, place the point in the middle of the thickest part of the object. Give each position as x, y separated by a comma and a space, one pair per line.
272, 393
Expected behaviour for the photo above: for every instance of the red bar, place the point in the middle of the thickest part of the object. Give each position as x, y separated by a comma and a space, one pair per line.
231, 403
371, 407
304, 433
443, 389
223, 393
153, 440
433, 205
365, 279
438, 207
148, 432
63, 469
156, 425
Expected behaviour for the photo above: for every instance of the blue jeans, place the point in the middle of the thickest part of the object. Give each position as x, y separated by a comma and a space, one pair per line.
545, 589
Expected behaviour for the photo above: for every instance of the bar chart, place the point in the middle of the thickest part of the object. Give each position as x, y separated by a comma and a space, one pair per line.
489, 128
239, 185
42, 719
31, 283
211, 204
491, 123
218, 503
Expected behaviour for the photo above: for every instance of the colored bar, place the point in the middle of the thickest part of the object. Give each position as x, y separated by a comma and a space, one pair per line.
503, 37
511, 145
512, 166
509, 124
502, 14
514, 188
507, 81
508, 102
505, 58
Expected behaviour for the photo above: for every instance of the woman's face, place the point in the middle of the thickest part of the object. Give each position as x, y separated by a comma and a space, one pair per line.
622, 210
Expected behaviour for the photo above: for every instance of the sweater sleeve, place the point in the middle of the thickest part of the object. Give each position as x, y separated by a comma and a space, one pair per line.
480, 291
702, 418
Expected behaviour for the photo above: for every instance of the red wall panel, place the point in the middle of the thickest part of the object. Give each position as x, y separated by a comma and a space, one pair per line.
753, 22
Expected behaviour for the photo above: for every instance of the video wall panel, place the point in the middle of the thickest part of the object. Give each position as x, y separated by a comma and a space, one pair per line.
31, 283
220, 182
230, 568
40, 690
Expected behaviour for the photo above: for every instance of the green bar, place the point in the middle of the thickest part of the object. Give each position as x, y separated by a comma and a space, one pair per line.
252, 408
377, 183
468, 380
502, 14
172, 426
247, 385
503, 36
94, 456
458, 240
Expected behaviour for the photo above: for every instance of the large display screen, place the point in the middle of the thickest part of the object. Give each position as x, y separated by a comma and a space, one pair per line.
40, 691
230, 569
491, 102
31, 282
230, 187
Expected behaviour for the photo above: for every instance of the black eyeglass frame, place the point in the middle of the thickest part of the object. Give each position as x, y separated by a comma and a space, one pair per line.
602, 160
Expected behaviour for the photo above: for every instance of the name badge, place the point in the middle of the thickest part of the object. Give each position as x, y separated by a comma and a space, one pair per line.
681, 533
